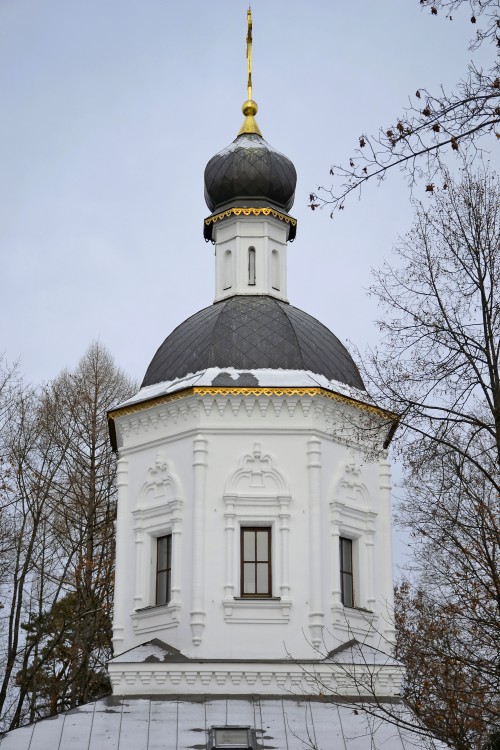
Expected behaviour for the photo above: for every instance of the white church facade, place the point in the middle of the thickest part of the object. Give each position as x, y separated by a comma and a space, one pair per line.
253, 597
254, 513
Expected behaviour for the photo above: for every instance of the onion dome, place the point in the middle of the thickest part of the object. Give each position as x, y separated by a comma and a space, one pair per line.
251, 333
249, 172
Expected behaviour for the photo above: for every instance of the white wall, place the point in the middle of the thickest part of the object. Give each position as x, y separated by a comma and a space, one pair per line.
233, 239
203, 465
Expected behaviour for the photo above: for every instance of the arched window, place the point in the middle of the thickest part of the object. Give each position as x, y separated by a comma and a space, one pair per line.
275, 270
251, 266
227, 270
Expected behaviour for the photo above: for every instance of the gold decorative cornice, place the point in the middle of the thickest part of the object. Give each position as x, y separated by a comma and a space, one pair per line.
133, 408
251, 211
268, 392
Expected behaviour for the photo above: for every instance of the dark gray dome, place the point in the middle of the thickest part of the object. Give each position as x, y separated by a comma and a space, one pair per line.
250, 333
249, 172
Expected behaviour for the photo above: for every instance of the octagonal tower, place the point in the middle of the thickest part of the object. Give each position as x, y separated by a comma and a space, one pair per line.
254, 514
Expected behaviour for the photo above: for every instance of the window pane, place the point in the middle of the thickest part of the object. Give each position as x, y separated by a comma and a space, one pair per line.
231, 737
249, 545
162, 553
346, 555
262, 578
161, 588
169, 585
249, 578
262, 546
347, 590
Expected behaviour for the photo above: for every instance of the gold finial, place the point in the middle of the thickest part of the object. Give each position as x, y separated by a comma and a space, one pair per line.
249, 107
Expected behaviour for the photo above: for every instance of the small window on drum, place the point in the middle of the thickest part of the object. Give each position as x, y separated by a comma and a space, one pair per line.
227, 270
251, 266
163, 569
256, 573
275, 270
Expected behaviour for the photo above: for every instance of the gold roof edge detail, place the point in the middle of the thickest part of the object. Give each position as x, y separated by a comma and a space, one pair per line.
252, 210
125, 410
245, 392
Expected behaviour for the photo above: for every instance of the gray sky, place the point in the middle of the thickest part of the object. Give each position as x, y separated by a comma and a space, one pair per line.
112, 108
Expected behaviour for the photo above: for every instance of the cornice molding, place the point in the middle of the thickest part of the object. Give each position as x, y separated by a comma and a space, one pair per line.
249, 211
258, 678
247, 392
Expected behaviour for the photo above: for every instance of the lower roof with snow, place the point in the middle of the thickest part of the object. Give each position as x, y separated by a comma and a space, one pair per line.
175, 724
231, 377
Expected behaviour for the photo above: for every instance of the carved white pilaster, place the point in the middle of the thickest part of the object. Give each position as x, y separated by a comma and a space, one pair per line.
284, 534
176, 555
316, 614
229, 535
336, 592
139, 566
199, 483
121, 553
370, 568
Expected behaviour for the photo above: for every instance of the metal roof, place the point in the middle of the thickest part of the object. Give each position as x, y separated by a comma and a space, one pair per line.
247, 170
252, 332
166, 724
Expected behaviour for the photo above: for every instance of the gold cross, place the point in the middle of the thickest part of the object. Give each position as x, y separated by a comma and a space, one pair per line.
249, 51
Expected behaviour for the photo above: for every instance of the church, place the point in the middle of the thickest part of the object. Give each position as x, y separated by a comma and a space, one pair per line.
253, 597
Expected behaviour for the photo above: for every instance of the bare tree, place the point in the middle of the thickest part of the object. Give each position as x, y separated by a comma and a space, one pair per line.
27, 556
438, 366
450, 684
434, 124
75, 635
59, 500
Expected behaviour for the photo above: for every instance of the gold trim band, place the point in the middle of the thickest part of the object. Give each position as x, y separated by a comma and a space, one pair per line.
245, 392
251, 211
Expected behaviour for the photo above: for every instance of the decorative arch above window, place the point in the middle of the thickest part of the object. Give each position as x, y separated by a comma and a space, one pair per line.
257, 499
257, 472
162, 484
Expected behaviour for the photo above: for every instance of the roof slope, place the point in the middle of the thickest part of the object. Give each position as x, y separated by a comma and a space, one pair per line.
252, 332
132, 723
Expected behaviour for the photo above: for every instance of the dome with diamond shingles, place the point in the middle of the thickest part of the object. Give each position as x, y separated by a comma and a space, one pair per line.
249, 172
250, 333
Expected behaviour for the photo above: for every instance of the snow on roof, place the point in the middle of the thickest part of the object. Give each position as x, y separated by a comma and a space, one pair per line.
147, 724
152, 651
354, 652
228, 376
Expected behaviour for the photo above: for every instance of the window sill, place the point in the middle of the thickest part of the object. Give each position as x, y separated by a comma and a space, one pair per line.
253, 610
252, 598
153, 606
156, 616
363, 610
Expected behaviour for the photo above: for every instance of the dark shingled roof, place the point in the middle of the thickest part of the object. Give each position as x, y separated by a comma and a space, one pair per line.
250, 333
250, 172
